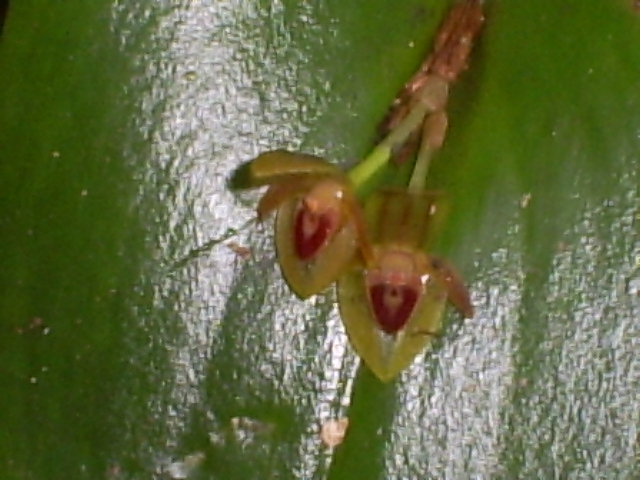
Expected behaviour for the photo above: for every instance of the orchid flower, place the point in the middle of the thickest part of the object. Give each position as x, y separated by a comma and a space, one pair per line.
393, 305
319, 224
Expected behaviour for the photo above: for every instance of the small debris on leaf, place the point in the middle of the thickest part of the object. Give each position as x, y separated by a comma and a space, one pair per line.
183, 469
114, 471
190, 75
524, 201
470, 388
245, 429
242, 252
332, 431
35, 325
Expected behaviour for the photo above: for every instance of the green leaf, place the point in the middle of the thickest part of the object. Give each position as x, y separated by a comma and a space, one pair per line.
128, 352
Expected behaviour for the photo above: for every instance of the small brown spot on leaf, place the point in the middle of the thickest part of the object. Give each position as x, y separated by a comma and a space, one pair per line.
35, 325
241, 251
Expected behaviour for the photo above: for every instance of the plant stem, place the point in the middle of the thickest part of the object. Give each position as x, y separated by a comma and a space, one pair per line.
421, 167
433, 133
381, 153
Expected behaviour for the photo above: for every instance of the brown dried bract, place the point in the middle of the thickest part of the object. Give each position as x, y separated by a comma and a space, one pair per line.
448, 60
455, 39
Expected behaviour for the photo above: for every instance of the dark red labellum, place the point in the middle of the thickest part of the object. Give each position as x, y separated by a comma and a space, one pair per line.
392, 305
311, 232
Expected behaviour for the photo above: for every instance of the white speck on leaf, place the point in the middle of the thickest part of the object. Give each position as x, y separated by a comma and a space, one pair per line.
524, 201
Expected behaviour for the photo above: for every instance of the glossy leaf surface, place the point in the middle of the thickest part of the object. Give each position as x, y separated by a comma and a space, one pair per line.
132, 348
